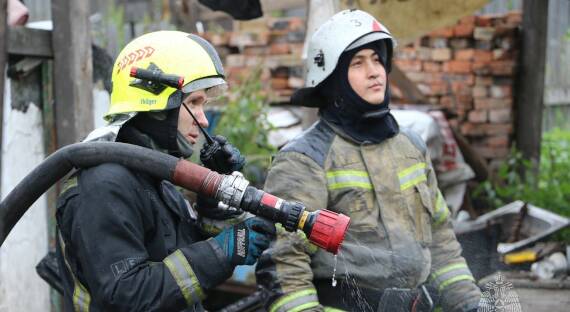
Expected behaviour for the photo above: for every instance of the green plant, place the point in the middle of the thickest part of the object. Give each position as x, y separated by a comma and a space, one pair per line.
548, 189
244, 122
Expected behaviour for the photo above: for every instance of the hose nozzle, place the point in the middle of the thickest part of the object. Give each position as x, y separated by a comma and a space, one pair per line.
323, 228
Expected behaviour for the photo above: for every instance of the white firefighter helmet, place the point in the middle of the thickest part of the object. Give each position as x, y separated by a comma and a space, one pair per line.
344, 31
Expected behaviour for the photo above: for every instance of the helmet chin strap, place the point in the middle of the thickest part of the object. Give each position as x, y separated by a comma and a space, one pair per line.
206, 135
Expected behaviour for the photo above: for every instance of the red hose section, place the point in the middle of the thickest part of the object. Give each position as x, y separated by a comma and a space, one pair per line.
196, 178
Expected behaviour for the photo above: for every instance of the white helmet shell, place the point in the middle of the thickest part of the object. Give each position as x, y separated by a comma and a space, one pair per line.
345, 30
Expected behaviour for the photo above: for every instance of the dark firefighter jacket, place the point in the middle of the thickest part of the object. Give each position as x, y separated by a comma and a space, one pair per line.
131, 245
400, 235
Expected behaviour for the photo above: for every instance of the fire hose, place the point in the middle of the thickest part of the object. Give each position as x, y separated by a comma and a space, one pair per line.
323, 228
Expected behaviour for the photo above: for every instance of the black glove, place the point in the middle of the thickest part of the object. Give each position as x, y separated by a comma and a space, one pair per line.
244, 242
221, 156
208, 207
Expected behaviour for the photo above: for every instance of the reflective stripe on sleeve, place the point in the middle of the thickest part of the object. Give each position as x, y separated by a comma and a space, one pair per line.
412, 176
338, 179
184, 276
296, 301
81, 298
450, 274
441, 210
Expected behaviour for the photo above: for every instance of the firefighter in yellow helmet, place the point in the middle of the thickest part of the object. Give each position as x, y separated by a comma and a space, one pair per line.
130, 242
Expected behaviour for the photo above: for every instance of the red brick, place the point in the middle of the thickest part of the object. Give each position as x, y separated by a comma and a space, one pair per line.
484, 33
477, 116
484, 21
464, 54
487, 103
279, 48
409, 65
500, 92
480, 92
432, 67
279, 83
501, 140
483, 56
443, 54
457, 66
463, 30
502, 68
501, 115
445, 32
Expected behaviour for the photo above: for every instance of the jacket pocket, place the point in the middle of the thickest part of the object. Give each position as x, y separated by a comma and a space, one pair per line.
420, 208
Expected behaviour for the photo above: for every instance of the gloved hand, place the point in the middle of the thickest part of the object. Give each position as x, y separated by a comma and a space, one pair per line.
208, 207
221, 156
244, 242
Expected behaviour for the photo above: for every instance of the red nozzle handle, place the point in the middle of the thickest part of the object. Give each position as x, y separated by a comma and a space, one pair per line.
329, 230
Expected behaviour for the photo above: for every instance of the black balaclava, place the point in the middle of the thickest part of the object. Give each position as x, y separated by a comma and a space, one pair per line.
360, 120
157, 131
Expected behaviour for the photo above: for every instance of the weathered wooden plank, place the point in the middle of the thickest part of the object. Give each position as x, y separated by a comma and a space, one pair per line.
409, 89
530, 93
30, 42
73, 70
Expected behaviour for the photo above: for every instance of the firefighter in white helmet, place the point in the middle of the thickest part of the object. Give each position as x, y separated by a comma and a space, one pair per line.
400, 252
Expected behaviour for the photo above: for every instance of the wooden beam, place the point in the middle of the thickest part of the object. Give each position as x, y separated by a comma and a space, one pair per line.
3, 59
30, 42
409, 89
73, 70
530, 91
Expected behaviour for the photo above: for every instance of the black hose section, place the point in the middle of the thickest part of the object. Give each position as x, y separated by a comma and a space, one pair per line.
79, 155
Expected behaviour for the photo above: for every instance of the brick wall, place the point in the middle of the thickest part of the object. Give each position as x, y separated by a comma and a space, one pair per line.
274, 45
469, 68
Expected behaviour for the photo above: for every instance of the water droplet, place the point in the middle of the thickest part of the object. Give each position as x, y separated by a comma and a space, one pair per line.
334, 272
